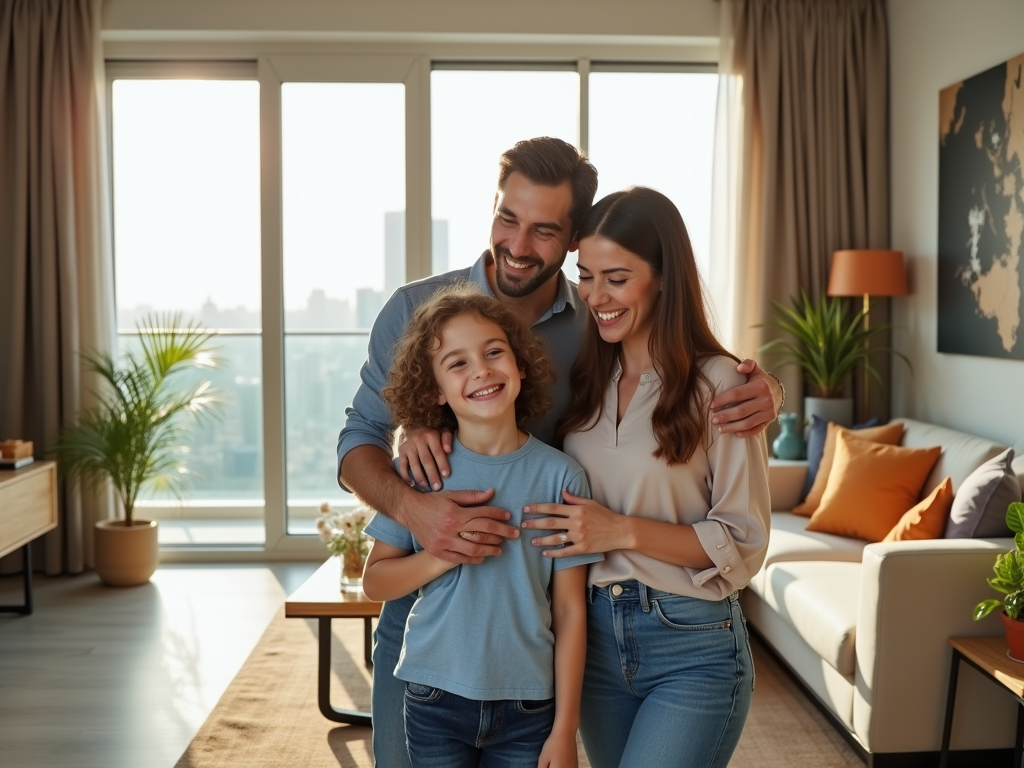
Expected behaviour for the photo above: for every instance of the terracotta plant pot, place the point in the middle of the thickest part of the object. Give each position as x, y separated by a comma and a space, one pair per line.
126, 556
1014, 636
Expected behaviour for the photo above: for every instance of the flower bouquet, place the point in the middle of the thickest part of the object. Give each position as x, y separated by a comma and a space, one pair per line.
342, 532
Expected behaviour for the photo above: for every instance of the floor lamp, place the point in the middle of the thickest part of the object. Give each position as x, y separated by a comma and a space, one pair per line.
867, 273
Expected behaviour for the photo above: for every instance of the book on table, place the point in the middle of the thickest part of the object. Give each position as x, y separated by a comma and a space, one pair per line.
24, 461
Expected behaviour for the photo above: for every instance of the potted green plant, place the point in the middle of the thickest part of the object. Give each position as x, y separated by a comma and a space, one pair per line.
134, 437
1009, 579
826, 344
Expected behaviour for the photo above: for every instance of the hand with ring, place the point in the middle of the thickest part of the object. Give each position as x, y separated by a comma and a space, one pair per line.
583, 525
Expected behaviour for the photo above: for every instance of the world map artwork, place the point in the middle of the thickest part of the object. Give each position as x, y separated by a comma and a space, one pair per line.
981, 214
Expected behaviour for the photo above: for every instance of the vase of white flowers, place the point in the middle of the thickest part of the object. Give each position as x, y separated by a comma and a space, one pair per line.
342, 532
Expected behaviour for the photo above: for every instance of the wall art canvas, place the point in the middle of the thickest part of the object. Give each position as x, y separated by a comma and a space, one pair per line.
981, 214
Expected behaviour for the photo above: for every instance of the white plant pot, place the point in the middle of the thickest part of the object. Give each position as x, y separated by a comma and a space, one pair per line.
836, 409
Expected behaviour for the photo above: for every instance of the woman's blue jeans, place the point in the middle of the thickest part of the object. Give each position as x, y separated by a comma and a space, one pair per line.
668, 679
448, 731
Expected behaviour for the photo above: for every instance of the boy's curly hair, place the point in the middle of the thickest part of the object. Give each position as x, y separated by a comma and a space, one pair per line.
411, 391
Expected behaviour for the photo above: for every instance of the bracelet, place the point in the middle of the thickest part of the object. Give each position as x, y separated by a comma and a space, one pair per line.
783, 403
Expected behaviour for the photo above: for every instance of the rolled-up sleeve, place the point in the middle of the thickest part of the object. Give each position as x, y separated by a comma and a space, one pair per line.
735, 531
368, 418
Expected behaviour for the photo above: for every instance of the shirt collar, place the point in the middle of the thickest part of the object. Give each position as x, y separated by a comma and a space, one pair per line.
566, 296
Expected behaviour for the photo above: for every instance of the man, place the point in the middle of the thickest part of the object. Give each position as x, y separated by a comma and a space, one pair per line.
545, 187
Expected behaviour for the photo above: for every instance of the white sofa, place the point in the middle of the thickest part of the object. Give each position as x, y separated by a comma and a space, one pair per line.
865, 626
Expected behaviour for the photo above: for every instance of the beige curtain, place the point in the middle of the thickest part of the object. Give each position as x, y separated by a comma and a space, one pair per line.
56, 270
802, 158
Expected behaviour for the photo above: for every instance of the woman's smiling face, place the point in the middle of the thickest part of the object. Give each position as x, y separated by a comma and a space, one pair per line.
620, 288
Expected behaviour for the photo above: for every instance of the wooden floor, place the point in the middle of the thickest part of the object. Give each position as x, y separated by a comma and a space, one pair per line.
99, 677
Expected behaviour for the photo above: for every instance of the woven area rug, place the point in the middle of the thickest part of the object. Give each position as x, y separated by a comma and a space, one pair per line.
268, 716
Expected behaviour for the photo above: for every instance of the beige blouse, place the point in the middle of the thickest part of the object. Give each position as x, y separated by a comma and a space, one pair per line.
722, 491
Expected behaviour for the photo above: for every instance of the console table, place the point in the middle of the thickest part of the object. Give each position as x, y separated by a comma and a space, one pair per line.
28, 509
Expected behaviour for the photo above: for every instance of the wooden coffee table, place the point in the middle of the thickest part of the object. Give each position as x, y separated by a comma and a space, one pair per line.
321, 598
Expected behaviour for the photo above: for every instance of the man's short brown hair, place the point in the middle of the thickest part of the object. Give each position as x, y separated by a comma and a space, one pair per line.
412, 391
549, 162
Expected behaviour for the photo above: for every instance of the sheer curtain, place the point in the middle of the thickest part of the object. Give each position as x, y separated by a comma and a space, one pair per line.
801, 157
56, 269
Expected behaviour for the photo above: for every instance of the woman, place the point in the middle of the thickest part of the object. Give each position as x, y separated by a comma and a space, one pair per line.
669, 675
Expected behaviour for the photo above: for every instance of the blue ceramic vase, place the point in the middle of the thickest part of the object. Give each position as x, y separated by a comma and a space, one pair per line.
790, 443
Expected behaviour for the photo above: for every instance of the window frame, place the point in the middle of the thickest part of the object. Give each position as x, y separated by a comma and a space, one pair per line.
272, 62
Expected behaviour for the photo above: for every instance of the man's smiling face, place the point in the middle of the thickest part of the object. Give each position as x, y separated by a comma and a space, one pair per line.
530, 234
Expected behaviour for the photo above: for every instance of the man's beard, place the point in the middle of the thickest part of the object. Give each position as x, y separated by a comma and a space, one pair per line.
516, 288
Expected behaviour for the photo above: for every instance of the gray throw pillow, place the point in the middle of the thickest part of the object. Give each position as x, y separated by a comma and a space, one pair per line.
979, 506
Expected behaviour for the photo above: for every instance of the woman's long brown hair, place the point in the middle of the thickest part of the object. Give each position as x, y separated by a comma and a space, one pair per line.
646, 223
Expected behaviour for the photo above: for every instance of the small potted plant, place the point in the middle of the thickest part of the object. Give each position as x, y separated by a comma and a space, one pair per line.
1009, 580
342, 532
826, 344
135, 437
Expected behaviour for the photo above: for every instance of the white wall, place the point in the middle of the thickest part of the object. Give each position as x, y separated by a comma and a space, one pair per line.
934, 43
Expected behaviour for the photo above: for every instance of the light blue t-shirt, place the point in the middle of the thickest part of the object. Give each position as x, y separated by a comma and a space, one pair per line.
484, 631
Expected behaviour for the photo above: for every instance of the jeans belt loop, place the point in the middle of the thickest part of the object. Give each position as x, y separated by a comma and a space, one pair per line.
645, 601
590, 593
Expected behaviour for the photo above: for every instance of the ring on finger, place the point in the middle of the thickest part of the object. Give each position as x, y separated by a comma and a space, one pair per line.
563, 537
468, 536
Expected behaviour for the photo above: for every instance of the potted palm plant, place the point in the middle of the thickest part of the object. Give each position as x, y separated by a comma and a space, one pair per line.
827, 344
1009, 579
134, 438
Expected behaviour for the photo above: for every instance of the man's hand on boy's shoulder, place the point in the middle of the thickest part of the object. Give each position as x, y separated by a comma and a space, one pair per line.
748, 409
423, 457
453, 526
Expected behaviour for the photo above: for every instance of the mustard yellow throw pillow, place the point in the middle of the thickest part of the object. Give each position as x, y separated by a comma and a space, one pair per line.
889, 434
926, 519
870, 487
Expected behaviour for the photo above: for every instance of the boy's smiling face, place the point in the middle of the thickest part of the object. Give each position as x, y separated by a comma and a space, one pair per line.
475, 370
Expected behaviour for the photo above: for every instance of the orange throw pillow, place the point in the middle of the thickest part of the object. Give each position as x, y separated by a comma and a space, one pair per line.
870, 487
889, 434
926, 519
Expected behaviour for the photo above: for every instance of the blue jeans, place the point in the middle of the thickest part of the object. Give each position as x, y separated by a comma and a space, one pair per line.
387, 697
444, 730
668, 679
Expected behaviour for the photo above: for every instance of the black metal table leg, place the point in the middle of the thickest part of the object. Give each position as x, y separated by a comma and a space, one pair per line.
349, 716
26, 607
368, 641
1018, 747
950, 702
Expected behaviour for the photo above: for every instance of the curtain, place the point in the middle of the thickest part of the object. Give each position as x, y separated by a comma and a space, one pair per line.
56, 267
801, 159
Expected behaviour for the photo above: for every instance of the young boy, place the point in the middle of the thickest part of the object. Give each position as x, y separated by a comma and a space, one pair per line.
483, 671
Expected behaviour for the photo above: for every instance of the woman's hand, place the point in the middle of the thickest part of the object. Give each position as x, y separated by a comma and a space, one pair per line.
559, 751
584, 526
422, 457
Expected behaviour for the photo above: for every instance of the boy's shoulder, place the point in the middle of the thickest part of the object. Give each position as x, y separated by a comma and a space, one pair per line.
556, 459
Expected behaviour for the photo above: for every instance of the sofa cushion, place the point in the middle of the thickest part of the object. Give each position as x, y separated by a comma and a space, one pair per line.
961, 453
820, 601
889, 434
979, 507
789, 542
816, 436
926, 519
870, 487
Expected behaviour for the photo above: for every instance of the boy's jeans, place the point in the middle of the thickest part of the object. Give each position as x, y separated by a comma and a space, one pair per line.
448, 731
389, 749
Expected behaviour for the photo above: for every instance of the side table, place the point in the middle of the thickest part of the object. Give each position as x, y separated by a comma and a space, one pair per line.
321, 598
988, 656
28, 509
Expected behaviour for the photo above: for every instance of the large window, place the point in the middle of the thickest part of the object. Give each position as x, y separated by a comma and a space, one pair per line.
280, 203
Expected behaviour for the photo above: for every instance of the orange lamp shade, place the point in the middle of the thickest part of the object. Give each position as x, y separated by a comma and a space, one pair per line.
867, 272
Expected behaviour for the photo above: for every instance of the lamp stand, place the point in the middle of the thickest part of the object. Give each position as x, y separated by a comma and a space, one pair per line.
867, 349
